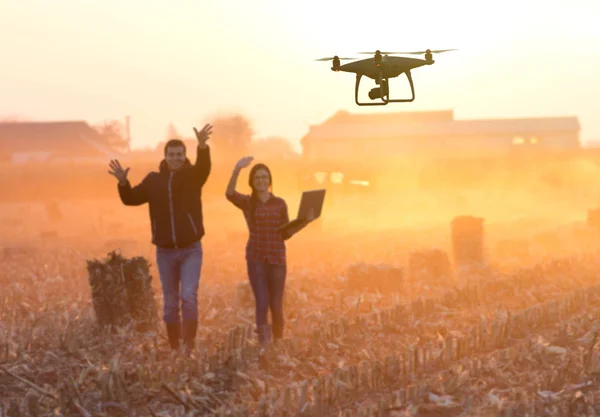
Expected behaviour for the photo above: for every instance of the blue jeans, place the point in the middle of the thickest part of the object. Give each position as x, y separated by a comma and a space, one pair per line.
268, 283
179, 270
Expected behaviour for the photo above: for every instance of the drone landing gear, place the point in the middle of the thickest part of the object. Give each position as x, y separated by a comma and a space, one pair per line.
383, 92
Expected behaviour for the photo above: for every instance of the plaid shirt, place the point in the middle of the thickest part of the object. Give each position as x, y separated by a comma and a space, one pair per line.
265, 244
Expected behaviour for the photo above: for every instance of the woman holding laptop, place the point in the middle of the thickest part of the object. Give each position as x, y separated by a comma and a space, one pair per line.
266, 261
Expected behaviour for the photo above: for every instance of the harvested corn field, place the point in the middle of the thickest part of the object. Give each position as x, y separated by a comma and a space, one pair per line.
384, 329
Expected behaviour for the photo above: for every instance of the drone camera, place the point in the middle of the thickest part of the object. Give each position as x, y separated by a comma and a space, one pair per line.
379, 92
375, 93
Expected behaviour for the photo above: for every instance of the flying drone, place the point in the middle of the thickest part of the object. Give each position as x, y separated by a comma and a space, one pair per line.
381, 68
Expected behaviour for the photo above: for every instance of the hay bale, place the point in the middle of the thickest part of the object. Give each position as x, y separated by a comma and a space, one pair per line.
380, 277
122, 291
140, 294
429, 265
109, 295
467, 242
593, 218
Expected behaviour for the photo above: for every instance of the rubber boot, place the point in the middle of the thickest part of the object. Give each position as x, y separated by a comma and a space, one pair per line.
277, 333
264, 335
173, 332
264, 340
189, 328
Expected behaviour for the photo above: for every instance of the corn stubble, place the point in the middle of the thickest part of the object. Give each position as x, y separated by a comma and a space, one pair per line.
520, 343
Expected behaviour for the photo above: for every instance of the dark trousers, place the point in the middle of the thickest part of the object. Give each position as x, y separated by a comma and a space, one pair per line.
268, 283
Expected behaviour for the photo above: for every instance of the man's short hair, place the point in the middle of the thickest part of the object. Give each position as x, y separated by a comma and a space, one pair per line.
175, 142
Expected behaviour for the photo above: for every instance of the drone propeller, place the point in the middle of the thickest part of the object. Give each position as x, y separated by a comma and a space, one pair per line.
332, 58
437, 51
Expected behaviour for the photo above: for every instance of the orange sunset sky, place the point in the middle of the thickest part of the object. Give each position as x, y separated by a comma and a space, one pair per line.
183, 61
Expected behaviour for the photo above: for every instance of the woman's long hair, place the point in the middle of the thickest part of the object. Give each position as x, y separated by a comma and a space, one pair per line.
254, 195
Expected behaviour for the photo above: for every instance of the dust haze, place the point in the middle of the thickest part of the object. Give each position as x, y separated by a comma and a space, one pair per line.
534, 202
398, 200
380, 205
351, 273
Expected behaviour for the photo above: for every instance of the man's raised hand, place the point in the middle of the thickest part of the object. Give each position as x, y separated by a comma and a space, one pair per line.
118, 171
203, 135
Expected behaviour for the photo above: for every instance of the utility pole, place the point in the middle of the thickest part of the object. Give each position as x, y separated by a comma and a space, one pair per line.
128, 131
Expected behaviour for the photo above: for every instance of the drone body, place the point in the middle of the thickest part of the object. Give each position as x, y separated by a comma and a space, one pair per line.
381, 68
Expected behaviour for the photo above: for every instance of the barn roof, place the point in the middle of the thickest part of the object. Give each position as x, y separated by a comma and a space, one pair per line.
345, 117
522, 126
70, 136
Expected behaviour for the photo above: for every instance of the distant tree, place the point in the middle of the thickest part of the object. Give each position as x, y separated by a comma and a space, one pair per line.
232, 136
274, 146
172, 132
114, 133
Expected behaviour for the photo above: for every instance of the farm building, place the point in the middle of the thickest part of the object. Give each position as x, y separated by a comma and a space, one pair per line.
351, 136
64, 141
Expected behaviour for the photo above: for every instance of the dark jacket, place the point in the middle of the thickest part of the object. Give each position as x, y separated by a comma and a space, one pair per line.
174, 199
